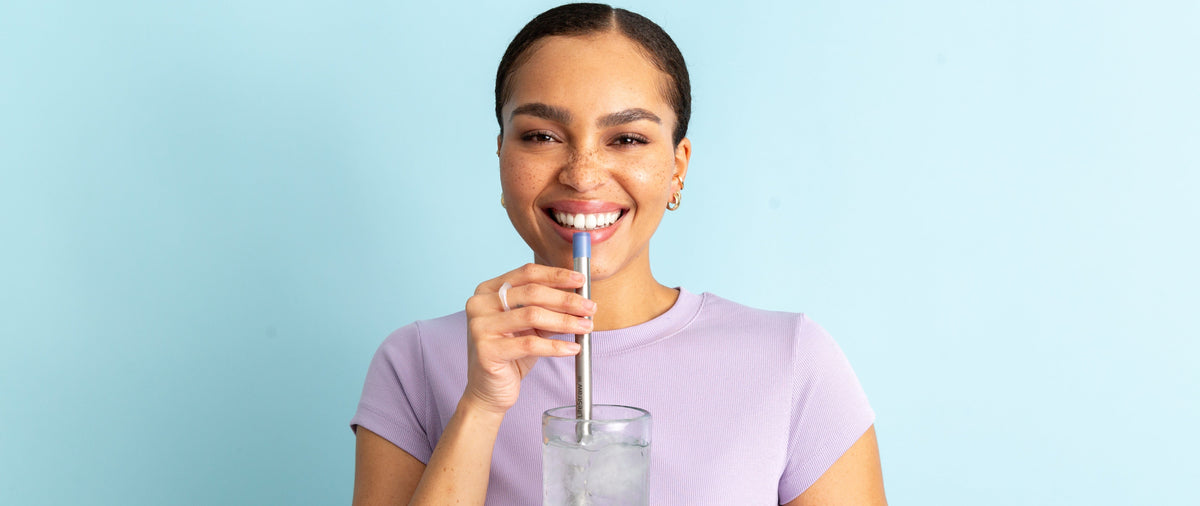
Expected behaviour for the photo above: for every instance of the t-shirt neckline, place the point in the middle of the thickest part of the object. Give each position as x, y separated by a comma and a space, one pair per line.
663, 326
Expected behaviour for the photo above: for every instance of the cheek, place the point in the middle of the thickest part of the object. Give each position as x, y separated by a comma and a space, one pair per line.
653, 179
521, 178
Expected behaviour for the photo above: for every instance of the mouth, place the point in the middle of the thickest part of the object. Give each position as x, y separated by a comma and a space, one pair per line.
599, 219
584, 222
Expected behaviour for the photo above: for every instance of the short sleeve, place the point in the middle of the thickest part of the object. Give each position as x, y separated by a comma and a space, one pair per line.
395, 396
829, 409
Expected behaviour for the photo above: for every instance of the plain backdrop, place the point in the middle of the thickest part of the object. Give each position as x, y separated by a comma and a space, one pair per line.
213, 212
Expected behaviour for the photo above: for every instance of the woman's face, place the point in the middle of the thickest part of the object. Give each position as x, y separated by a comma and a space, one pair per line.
587, 146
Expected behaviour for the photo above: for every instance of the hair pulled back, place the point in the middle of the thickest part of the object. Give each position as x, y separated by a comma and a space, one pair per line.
587, 18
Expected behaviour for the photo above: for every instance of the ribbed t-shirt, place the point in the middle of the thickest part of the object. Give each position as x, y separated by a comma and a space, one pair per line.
749, 407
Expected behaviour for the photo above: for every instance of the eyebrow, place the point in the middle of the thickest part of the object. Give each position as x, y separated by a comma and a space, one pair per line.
560, 115
627, 116
543, 111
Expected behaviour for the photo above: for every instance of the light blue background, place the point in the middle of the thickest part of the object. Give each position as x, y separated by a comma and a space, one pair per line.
213, 212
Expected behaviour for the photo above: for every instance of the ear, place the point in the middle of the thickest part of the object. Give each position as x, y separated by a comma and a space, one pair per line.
683, 155
499, 142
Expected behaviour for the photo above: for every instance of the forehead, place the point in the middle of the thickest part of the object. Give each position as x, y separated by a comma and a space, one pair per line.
591, 74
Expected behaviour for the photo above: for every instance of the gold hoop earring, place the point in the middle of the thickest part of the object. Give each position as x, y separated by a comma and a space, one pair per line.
502, 200
676, 198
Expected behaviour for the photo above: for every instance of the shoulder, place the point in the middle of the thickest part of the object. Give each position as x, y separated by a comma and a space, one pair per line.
790, 336
424, 337
718, 312
425, 330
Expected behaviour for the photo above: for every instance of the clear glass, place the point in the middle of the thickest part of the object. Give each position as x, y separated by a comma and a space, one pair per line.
598, 462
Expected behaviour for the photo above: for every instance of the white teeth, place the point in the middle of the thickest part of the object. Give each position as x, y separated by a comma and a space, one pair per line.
586, 221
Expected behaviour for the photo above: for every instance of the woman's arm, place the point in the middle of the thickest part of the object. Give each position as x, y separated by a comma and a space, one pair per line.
459, 468
462, 460
383, 473
855, 479
502, 347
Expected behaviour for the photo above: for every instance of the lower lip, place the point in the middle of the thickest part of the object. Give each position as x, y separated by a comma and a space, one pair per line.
598, 235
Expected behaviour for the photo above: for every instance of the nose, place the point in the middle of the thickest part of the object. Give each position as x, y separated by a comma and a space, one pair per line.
584, 171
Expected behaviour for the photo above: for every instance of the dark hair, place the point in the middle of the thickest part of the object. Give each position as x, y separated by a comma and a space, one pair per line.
586, 18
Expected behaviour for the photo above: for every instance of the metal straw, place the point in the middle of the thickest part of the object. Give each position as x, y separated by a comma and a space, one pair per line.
582, 246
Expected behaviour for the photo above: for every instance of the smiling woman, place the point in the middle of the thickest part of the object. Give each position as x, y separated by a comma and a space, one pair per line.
749, 406
588, 140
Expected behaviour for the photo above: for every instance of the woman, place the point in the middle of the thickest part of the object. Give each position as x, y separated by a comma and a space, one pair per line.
749, 406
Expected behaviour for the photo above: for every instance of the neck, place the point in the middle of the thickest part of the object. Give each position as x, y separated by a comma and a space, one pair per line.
630, 297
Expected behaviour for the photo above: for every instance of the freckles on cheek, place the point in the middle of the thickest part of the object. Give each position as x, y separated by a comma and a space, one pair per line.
650, 175
520, 179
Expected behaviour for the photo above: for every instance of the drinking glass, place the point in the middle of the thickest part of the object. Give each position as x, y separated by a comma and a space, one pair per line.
598, 462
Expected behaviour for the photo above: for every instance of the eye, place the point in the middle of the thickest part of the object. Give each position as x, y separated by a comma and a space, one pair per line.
538, 137
630, 140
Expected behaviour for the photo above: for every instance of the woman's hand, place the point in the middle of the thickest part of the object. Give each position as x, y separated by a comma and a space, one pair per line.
504, 345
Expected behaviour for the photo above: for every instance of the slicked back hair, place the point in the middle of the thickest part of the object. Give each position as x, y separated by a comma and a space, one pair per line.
588, 18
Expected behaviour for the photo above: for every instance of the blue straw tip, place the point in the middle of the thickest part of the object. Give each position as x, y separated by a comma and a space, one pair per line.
581, 242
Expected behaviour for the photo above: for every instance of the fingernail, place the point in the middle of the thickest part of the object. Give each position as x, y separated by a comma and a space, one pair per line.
577, 276
589, 304
573, 348
585, 324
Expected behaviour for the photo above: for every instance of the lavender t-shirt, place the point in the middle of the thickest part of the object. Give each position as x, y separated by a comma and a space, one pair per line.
748, 406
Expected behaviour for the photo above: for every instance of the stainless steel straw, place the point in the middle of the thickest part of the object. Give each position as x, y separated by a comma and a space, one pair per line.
582, 245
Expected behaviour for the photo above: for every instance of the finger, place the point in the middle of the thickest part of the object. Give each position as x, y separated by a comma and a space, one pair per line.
529, 318
507, 350
535, 332
543, 333
550, 298
531, 295
555, 277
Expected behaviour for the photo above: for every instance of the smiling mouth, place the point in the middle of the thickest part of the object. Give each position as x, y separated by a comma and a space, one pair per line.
585, 222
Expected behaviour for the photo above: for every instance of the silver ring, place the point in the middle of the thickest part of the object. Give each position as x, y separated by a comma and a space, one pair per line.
503, 293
